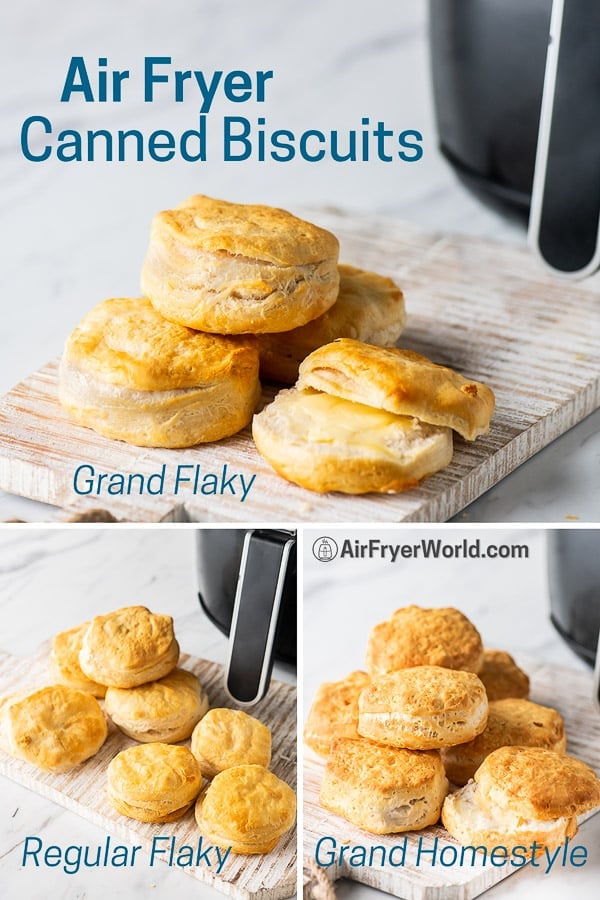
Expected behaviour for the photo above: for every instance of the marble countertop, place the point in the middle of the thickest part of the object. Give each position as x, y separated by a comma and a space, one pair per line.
51, 579
506, 599
73, 234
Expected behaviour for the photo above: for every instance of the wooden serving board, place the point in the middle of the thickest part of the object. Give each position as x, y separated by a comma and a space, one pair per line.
269, 876
486, 309
566, 690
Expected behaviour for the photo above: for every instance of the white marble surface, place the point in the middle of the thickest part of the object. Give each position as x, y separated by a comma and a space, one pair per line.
73, 234
506, 599
51, 579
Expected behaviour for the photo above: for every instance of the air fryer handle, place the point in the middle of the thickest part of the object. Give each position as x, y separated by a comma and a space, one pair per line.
564, 225
258, 596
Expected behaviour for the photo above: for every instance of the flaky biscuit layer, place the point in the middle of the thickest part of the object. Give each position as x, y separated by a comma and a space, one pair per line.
368, 308
402, 382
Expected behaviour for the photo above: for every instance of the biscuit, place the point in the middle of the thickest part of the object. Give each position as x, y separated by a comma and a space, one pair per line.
54, 728
165, 710
533, 782
334, 712
502, 677
153, 782
64, 661
383, 789
246, 808
230, 737
474, 826
423, 708
369, 308
401, 382
324, 443
520, 795
129, 646
231, 268
511, 722
130, 375
418, 636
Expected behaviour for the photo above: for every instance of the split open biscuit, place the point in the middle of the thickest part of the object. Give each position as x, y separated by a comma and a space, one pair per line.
423, 708
153, 782
511, 722
420, 636
129, 646
64, 661
502, 677
324, 443
383, 789
369, 308
334, 712
401, 382
165, 710
520, 795
229, 737
132, 376
54, 728
231, 268
246, 808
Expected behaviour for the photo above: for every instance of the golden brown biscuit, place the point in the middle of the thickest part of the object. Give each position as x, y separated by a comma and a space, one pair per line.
165, 710
475, 826
369, 308
423, 708
511, 722
129, 646
334, 712
324, 443
537, 783
520, 795
502, 677
246, 808
231, 268
418, 636
401, 382
383, 789
130, 375
64, 661
153, 782
230, 737
55, 727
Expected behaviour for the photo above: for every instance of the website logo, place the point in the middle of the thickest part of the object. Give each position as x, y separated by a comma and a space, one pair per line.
325, 549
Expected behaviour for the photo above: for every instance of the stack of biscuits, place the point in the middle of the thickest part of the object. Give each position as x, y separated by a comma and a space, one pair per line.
436, 708
235, 291
129, 657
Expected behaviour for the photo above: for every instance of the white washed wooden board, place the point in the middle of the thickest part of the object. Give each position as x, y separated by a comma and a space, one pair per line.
566, 690
486, 309
270, 876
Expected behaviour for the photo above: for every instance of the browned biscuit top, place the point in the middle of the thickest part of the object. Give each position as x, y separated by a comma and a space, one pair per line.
371, 766
502, 677
516, 721
416, 636
537, 783
258, 232
127, 343
424, 691
334, 711
131, 637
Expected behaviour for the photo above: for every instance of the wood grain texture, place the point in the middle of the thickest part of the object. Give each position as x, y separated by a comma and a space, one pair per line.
270, 876
568, 691
486, 309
